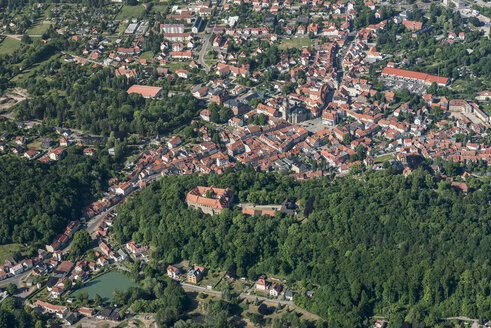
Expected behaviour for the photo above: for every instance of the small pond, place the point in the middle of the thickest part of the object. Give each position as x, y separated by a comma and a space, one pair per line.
105, 285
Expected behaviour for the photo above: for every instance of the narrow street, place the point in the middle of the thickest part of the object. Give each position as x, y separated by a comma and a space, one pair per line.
340, 56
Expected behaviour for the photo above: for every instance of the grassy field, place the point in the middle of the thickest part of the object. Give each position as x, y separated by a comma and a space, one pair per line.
35, 144
148, 55
130, 12
121, 28
295, 43
383, 158
159, 8
174, 66
9, 45
7, 251
27, 73
39, 29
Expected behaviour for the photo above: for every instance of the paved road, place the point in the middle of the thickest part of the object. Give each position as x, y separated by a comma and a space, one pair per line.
242, 295
93, 223
202, 53
206, 43
475, 322
15, 279
341, 53
19, 36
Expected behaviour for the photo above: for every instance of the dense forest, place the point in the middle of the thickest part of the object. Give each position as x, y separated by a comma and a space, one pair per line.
37, 200
95, 101
411, 248
14, 315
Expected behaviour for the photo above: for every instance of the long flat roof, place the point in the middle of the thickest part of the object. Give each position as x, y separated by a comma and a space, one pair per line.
415, 75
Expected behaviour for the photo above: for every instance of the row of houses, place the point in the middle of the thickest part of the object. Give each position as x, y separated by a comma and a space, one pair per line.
63, 239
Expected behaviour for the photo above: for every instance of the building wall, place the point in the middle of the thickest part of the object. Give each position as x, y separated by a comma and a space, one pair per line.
203, 208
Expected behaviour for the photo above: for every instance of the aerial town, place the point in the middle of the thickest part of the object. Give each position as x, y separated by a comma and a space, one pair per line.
306, 89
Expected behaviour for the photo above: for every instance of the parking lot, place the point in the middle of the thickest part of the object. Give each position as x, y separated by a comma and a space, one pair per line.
396, 85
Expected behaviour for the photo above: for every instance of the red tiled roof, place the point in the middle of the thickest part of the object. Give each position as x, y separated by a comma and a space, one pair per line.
412, 25
65, 266
221, 202
144, 90
415, 75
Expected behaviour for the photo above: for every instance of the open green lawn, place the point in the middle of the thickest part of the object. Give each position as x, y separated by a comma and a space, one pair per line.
7, 251
383, 158
35, 144
159, 8
130, 12
27, 73
148, 55
39, 29
9, 45
174, 66
295, 43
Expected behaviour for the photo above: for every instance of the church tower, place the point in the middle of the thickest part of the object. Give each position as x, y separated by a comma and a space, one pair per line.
285, 108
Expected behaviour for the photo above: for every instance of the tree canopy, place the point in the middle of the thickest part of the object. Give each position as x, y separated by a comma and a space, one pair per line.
378, 244
38, 200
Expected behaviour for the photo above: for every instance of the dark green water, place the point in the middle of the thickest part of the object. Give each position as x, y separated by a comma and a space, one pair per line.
105, 285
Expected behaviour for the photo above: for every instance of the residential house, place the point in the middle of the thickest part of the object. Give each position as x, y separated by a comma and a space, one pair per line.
136, 249
31, 154
182, 73
86, 311
174, 142
17, 269
205, 115
72, 318
289, 295
275, 290
195, 273
174, 271
380, 324
57, 154
64, 269
124, 188
261, 284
